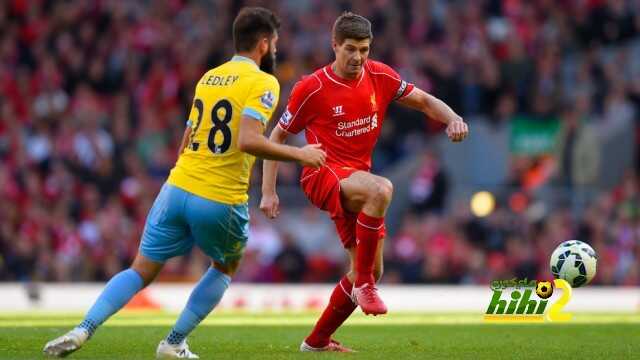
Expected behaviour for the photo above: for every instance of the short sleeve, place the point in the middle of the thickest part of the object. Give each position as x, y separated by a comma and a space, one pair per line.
391, 82
300, 105
263, 99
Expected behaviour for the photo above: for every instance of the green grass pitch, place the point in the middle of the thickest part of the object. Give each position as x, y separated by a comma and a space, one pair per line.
403, 336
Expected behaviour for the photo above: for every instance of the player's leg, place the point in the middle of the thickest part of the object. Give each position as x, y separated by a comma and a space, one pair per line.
341, 304
203, 299
368, 195
164, 236
117, 293
323, 189
378, 265
221, 232
340, 307
119, 290
366, 192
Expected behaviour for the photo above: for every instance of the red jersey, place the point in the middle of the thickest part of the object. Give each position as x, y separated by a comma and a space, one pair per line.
344, 115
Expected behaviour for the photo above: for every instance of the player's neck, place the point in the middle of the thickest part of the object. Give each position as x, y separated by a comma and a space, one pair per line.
344, 75
250, 55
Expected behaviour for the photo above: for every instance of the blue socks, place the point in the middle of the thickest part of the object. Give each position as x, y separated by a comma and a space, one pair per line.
116, 294
204, 297
122, 287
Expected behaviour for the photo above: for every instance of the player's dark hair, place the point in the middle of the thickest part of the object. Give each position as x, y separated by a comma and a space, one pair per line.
351, 26
251, 24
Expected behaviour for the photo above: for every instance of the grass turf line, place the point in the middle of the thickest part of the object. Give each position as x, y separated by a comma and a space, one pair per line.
396, 338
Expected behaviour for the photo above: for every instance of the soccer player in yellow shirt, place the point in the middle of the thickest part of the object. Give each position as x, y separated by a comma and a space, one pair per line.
204, 201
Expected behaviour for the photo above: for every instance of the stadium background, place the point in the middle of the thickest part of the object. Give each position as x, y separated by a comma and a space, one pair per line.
94, 96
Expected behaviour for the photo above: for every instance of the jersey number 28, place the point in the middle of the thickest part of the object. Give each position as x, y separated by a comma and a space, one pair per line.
219, 124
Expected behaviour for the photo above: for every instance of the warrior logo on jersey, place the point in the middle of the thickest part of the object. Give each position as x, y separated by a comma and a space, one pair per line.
374, 105
337, 110
267, 99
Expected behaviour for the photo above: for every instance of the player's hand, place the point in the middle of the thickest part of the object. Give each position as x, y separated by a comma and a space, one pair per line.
457, 130
313, 156
270, 204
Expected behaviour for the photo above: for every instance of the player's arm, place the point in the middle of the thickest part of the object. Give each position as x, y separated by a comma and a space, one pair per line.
251, 140
292, 121
185, 139
270, 202
188, 131
258, 109
436, 109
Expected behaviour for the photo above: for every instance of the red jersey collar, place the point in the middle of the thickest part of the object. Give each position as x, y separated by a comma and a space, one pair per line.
342, 81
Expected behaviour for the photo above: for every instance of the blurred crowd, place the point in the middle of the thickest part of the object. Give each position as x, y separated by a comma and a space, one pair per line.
512, 241
94, 97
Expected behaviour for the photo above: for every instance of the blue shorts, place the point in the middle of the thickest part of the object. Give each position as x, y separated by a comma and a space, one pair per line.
179, 219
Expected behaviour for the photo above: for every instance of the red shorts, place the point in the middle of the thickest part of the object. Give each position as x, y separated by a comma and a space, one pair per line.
322, 187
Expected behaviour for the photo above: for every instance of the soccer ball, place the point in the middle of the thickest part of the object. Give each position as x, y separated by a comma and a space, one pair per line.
575, 262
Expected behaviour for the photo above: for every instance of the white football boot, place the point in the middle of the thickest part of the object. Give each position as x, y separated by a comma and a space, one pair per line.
333, 346
180, 351
67, 343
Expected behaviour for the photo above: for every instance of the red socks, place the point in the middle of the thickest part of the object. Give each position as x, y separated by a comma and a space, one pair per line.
368, 232
339, 309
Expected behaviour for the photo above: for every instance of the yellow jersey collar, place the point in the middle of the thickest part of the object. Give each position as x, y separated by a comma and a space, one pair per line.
243, 58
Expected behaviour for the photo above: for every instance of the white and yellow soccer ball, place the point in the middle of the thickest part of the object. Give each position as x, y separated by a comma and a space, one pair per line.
574, 261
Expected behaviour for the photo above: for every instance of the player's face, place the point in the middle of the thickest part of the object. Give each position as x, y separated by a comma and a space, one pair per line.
351, 55
268, 61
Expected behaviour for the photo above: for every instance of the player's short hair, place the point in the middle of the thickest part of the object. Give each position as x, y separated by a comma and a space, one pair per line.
351, 26
251, 24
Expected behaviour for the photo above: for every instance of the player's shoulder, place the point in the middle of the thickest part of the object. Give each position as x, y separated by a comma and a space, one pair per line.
267, 79
378, 68
307, 85
252, 77
211, 73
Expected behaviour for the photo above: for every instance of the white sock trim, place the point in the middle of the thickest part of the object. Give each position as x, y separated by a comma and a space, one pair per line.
370, 227
350, 296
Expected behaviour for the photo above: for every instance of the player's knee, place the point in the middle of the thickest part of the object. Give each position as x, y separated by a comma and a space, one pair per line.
147, 269
146, 275
382, 192
229, 268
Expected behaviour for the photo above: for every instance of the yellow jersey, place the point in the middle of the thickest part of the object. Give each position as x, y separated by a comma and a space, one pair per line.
211, 165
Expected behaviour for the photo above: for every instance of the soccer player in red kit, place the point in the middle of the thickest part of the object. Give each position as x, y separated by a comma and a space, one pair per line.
342, 107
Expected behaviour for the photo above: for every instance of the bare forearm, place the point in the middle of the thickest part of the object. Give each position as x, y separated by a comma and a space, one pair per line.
185, 140
269, 176
252, 141
437, 109
270, 167
261, 147
183, 145
431, 106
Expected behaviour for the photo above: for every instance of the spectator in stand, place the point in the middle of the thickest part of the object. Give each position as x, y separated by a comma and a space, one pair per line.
94, 95
577, 151
428, 189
